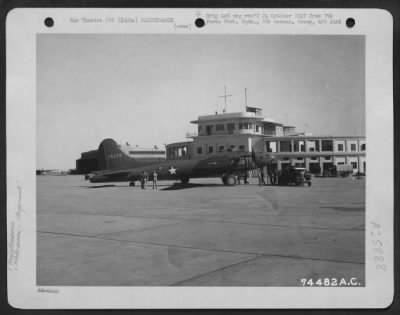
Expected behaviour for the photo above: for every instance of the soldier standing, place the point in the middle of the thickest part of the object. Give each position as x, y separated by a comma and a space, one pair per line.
246, 176
274, 176
155, 177
260, 175
143, 180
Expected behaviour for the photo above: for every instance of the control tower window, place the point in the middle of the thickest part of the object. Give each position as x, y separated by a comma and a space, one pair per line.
209, 129
244, 125
230, 126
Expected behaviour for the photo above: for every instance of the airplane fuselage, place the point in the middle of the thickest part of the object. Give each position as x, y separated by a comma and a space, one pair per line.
171, 170
117, 166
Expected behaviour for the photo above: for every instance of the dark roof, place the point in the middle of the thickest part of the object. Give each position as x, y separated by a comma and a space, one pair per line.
89, 154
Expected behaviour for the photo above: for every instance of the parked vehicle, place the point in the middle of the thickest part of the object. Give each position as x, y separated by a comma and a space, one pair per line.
344, 170
297, 176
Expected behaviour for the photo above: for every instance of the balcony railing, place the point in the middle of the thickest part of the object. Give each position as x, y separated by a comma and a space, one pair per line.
191, 134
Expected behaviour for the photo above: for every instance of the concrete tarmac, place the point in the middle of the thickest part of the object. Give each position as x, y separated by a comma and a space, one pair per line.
202, 234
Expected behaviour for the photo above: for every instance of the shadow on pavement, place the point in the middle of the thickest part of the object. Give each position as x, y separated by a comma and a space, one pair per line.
102, 186
179, 186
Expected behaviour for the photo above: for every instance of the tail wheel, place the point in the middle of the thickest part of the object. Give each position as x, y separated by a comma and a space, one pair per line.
131, 184
230, 180
185, 180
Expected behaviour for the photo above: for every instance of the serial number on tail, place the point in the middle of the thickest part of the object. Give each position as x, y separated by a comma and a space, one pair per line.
114, 156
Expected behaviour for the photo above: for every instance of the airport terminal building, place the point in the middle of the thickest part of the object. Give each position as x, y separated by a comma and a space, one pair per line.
244, 131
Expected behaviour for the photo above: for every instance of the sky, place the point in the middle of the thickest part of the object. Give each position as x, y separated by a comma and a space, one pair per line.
145, 89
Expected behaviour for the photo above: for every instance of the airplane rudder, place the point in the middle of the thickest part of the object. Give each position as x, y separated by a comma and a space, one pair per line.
108, 148
112, 157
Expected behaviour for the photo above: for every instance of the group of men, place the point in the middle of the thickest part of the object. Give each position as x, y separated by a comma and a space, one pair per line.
272, 175
144, 177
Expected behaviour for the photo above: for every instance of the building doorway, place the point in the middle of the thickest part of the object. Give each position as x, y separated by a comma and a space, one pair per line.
314, 168
328, 169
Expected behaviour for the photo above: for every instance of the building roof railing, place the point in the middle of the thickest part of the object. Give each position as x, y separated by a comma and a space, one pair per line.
229, 116
302, 136
191, 135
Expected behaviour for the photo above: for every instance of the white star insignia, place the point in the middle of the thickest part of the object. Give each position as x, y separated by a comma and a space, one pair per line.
172, 170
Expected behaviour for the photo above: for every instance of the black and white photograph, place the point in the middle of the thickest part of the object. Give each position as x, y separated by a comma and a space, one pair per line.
210, 160
201, 160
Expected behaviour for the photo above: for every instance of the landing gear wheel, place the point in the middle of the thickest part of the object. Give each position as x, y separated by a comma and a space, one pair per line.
131, 184
230, 180
185, 180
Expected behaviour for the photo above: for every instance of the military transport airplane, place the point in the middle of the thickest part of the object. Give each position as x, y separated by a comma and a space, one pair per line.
117, 166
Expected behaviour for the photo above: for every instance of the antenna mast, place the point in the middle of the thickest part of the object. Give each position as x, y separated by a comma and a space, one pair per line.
225, 96
245, 97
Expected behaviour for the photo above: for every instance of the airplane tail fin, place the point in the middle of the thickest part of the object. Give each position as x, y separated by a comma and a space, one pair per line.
111, 157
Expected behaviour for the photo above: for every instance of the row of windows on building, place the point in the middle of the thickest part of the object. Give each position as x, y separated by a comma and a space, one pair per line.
220, 148
285, 146
230, 127
312, 145
182, 151
314, 167
300, 161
